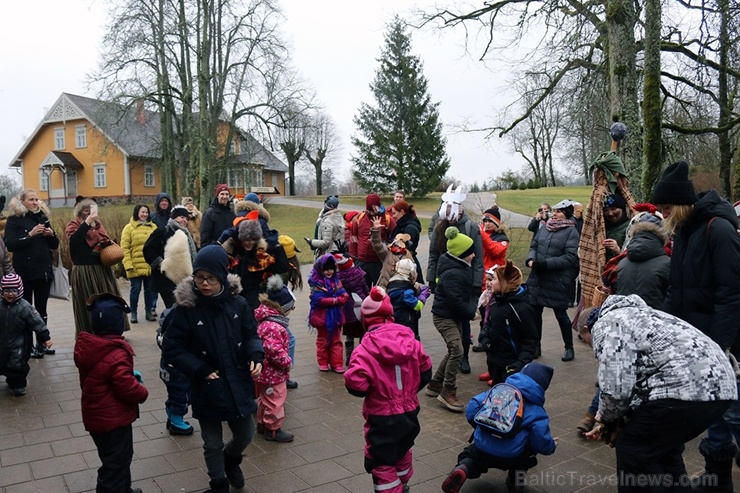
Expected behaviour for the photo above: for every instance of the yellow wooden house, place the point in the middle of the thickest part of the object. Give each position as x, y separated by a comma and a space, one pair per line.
100, 149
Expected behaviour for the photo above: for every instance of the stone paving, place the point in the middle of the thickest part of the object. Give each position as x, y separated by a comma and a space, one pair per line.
44, 447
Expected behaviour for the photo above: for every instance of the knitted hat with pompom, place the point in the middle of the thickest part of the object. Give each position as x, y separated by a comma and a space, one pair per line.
376, 309
458, 244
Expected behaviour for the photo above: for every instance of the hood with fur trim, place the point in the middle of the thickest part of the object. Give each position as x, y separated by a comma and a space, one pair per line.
185, 294
17, 208
248, 206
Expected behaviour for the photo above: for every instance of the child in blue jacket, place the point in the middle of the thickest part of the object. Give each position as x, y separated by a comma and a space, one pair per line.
515, 454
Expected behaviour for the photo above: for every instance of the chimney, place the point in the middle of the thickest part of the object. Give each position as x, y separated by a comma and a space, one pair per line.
140, 115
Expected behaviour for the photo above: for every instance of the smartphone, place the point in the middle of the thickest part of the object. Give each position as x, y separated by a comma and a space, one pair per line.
94, 209
47, 224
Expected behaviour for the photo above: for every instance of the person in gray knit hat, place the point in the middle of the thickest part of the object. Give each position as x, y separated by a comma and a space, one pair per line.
705, 267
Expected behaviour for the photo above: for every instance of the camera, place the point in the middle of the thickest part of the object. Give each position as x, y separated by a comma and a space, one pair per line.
539, 210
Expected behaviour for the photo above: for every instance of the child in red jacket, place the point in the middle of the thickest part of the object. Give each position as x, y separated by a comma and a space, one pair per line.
111, 390
388, 369
271, 385
326, 314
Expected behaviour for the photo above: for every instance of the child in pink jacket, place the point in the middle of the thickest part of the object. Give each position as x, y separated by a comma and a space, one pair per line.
326, 315
272, 316
388, 369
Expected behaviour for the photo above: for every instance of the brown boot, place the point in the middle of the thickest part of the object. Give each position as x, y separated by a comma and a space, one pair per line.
433, 389
448, 397
587, 423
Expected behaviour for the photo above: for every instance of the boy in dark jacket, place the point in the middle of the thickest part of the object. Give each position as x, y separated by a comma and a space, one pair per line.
509, 336
515, 454
408, 296
452, 305
20, 321
388, 369
111, 390
212, 338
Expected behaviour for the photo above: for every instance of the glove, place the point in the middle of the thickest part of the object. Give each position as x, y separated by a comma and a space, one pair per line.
308, 240
424, 293
137, 376
539, 265
432, 286
419, 306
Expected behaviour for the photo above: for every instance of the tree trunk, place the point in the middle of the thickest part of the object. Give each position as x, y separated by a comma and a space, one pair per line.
725, 149
652, 155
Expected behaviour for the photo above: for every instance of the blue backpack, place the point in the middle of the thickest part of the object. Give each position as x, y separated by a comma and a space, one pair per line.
502, 411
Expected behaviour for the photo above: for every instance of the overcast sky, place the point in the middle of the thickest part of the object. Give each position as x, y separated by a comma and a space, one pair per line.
48, 46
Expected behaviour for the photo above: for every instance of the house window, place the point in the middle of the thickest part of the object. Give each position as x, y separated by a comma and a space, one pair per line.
148, 175
43, 181
236, 178
80, 136
232, 147
99, 172
275, 180
59, 138
256, 178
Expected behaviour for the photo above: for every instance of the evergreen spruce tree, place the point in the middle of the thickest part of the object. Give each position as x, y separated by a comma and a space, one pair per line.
400, 143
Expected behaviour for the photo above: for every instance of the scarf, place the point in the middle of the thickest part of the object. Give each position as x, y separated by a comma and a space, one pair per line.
262, 260
95, 234
325, 287
278, 319
553, 224
174, 225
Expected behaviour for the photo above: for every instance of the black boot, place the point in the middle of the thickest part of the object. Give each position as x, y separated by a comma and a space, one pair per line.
717, 475
233, 472
218, 486
349, 346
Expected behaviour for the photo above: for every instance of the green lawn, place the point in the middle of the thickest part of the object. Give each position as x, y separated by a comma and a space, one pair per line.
528, 201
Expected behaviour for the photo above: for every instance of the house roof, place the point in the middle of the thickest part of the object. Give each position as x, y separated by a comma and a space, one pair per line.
137, 137
67, 159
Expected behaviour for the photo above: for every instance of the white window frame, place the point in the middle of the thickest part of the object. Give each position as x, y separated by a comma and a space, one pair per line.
59, 141
43, 181
232, 147
149, 177
235, 178
80, 136
100, 180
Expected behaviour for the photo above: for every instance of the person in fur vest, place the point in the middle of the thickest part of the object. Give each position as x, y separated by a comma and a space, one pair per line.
389, 254
111, 390
194, 219
326, 314
252, 259
353, 280
255, 211
272, 316
388, 369
170, 250
407, 296
212, 338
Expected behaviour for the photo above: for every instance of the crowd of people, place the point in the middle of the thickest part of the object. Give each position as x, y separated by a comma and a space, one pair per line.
227, 282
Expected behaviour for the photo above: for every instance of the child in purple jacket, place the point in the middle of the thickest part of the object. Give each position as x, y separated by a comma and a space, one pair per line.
353, 280
388, 369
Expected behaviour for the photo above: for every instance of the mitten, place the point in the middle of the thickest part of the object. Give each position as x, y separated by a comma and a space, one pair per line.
137, 376
419, 306
424, 293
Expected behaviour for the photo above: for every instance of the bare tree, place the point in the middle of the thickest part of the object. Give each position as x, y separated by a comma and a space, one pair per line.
322, 142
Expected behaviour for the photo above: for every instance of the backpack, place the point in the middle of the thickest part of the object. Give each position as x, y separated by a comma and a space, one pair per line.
502, 411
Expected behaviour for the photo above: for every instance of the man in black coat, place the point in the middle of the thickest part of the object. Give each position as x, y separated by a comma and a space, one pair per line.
218, 217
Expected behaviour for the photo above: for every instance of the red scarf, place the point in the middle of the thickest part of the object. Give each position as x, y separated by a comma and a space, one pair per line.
95, 235
553, 224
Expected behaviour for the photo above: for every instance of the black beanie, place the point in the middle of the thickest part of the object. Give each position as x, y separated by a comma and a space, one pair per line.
214, 260
542, 374
674, 187
107, 313
179, 211
615, 200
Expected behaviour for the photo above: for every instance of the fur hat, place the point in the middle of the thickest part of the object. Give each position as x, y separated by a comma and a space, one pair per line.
405, 267
81, 204
186, 201
12, 281
376, 309
221, 187
371, 200
493, 214
214, 260
674, 187
252, 197
179, 211
107, 313
343, 263
279, 294
509, 277
250, 230
542, 374
458, 244
289, 245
